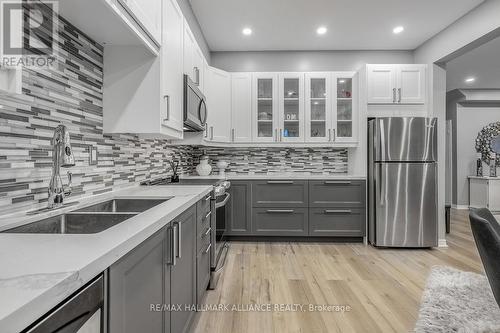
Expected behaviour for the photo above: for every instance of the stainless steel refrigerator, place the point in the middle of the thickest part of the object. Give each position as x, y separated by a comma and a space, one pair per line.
402, 182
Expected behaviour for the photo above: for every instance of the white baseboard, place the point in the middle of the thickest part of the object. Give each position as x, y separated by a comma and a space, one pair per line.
442, 243
460, 207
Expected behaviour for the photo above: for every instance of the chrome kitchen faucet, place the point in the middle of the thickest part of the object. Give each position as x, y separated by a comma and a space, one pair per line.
62, 156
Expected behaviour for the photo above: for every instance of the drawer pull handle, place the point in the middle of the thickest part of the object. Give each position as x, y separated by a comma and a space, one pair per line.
208, 197
208, 248
338, 211
207, 232
336, 182
281, 211
280, 181
208, 215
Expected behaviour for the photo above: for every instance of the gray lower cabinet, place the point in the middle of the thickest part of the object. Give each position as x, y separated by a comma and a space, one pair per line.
337, 222
240, 206
204, 234
183, 271
161, 270
337, 193
135, 282
279, 193
280, 221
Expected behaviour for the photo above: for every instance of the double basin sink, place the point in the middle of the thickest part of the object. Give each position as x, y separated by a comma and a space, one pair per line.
91, 219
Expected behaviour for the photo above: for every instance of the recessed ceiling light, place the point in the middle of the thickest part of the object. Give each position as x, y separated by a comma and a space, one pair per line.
247, 31
470, 80
398, 29
321, 30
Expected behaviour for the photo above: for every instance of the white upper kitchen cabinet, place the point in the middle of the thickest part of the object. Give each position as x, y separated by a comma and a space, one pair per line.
241, 107
381, 84
345, 114
291, 107
412, 84
218, 99
396, 84
147, 13
117, 22
194, 60
318, 107
265, 107
172, 68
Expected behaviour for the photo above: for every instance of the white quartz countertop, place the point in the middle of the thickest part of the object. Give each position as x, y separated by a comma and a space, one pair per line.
290, 175
38, 271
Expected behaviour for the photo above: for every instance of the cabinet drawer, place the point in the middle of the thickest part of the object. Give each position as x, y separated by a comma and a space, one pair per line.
204, 222
203, 240
337, 222
204, 205
280, 221
279, 193
337, 193
202, 273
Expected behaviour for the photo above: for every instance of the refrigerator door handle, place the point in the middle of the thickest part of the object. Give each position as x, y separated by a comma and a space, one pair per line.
382, 141
382, 184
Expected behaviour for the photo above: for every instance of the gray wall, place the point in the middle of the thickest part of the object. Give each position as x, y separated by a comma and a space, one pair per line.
468, 121
304, 61
186, 9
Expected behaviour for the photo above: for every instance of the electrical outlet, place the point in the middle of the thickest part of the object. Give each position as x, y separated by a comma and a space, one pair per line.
92, 155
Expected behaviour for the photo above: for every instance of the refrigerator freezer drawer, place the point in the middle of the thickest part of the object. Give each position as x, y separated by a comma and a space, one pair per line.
405, 204
405, 139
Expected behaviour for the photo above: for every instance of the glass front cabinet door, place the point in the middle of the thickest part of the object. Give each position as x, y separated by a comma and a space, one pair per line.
265, 107
318, 107
344, 127
291, 107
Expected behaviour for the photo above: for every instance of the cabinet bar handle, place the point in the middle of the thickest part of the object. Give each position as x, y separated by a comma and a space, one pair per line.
179, 239
208, 214
394, 95
337, 182
211, 132
276, 134
338, 211
334, 131
208, 248
281, 135
399, 95
280, 211
329, 134
208, 197
197, 75
280, 181
207, 232
232, 135
206, 130
173, 245
167, 97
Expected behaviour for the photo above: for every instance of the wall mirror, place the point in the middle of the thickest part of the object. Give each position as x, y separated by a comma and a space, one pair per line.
488, 142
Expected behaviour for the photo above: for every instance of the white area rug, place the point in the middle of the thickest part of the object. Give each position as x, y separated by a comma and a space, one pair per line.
457, 301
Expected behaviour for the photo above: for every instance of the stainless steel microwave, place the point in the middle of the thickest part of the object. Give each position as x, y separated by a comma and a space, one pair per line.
195, 107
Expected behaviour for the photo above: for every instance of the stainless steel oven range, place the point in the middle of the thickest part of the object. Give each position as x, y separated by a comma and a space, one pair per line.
218, 220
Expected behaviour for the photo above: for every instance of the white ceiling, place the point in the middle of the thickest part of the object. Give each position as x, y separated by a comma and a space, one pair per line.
352, 24
482, 63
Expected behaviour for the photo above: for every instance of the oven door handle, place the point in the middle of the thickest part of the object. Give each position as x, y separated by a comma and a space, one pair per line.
224, 202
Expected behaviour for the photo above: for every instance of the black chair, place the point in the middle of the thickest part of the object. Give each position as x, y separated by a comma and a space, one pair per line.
486, 231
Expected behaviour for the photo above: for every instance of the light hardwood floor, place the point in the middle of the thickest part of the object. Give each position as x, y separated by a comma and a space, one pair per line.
383, 287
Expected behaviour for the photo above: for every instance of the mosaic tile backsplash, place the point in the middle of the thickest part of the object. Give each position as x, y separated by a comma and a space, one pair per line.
72, 95
273, 160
